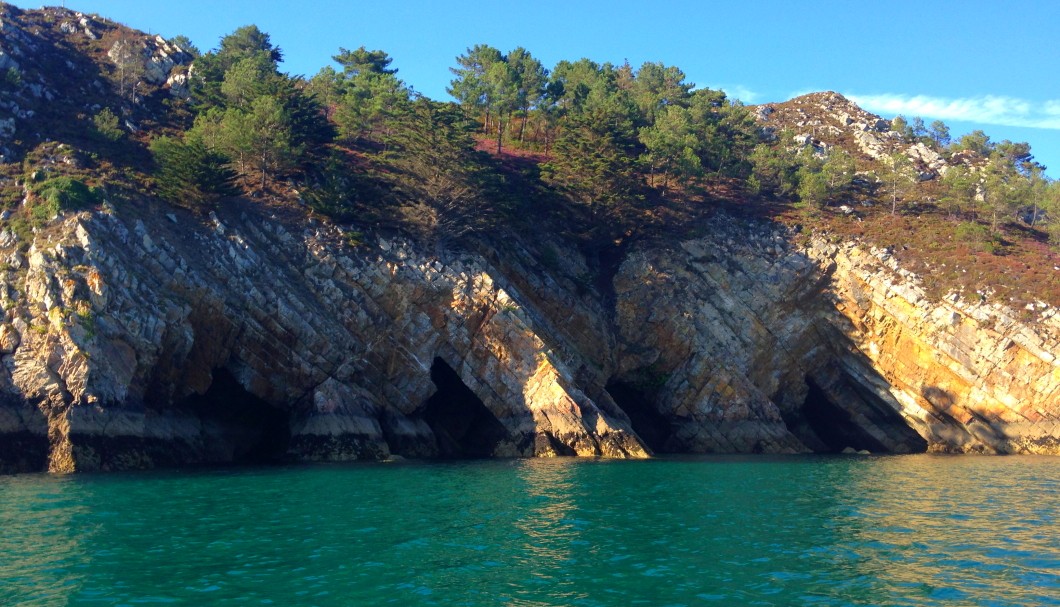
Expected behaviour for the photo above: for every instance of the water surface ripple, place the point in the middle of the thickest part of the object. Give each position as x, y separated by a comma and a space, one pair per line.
910, 530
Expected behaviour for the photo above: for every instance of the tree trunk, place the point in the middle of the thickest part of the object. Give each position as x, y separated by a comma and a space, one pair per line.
242, 162
500, 132
264, 170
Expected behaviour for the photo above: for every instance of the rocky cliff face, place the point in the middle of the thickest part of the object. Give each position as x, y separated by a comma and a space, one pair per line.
135, 339
759, 345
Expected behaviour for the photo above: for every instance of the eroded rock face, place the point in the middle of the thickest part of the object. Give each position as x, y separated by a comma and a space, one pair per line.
128, 326
735, 330
138, 341
756, 345
966, 375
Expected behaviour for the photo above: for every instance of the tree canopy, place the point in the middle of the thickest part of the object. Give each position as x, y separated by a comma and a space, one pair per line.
611, 140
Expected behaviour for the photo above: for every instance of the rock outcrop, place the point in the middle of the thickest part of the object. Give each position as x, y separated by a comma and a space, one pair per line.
49, 74
153, 343
759, 345
966, 375
828, 119
132, 340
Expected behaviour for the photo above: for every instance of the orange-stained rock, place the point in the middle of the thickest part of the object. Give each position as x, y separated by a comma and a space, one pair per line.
138, 342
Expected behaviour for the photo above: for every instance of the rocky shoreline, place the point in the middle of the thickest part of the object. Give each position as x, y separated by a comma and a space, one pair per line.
136, 339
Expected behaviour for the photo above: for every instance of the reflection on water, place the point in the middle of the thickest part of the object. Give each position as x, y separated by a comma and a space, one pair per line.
909, 530
962, 532
547, 522
42, 553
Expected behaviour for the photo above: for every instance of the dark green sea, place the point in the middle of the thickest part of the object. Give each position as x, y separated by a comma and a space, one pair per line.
859, 530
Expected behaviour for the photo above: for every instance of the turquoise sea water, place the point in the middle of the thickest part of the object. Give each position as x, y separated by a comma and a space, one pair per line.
904, 530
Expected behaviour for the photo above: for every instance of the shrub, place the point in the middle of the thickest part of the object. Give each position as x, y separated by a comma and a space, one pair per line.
105, 126
1053, 228
62, 193
11, 79
978, 235
341, 192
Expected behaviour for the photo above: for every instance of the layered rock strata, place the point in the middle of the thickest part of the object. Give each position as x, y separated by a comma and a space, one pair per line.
137, 340
143, 345
757, 345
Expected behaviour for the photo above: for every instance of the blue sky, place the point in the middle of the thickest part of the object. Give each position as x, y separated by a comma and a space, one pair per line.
974, 64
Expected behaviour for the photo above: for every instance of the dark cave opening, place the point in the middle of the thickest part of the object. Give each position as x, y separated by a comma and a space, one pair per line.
23, 452
462, 424
639, 405
258, 433
835, 426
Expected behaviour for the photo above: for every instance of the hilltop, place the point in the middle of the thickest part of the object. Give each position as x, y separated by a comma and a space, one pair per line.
937, 231
62, 67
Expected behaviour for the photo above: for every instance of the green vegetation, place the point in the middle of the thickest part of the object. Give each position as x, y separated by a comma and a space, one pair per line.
613, 145
11, 79
897, 176
596, 153
60, 194
190, 174
106, 127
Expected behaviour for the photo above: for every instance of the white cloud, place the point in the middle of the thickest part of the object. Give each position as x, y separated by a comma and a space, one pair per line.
987, 109
738, 91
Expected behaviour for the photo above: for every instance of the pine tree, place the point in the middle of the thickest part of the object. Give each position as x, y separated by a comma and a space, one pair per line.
838, 171
532, 78
127, 53
813, 184
593, 164
940, 134
898, 177
189, 174
671, 147
438, 173
470, 87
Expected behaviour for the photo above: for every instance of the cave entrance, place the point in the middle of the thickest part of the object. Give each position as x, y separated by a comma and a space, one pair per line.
462, 424
257, 432
834, 425
639, 405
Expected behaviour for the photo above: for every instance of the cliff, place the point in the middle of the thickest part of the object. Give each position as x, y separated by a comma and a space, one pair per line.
140, 336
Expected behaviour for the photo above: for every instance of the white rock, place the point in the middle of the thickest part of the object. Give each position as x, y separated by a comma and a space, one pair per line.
178, 86
6, 62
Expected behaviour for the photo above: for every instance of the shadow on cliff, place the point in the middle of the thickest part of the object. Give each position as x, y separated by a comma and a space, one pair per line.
639, 402
861, 421
24, 445
462, 424
723, 332
248, 429
952, 433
